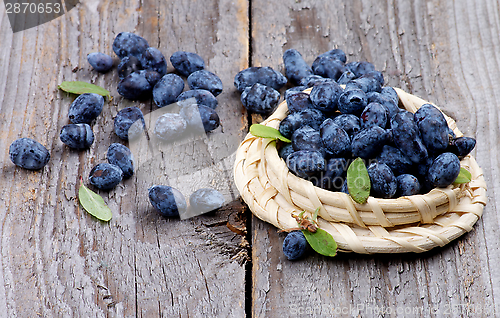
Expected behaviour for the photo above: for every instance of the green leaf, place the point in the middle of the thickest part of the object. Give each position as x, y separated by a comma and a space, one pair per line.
263, 131
463, 177
77, 87
358, 181
93, 203
322, 242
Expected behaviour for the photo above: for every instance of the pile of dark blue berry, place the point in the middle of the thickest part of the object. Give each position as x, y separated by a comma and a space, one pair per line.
143, 74
350, 114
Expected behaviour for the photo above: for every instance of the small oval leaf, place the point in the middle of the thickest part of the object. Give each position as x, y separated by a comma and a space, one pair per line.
463, 177
264, 131
322, 242
358, 181
78, 87
93, 203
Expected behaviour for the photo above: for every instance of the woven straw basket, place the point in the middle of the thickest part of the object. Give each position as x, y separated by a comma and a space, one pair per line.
415, 223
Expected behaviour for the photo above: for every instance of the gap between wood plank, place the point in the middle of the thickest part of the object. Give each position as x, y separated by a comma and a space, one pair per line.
249, 264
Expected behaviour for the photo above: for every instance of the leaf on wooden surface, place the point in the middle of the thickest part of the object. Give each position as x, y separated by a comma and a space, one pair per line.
463, 177
78, 87
264, 131
358, 181
322, 242
93, 203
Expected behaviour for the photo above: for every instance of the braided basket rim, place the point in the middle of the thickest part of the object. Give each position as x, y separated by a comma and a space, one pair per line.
407, 224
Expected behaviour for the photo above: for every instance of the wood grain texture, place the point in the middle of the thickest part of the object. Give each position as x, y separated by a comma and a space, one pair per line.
58, 261
444, 52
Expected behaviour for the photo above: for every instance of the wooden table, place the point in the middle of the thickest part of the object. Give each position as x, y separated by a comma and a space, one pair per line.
58, 261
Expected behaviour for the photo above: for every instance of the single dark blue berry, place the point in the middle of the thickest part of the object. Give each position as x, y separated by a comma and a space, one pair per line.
335, 139
405, 135
200, 96
369, 142
77, 136
348, 122
390, 92
151, 76
394, 159
307, 138
407, 185
206, 200
100, 62
383, 182
305, 163
120, 156
205, 80
298, 102
376, 75
422, 168
28, 154
186, 62
313, 80
128, 65
200, 118
256, 74
105, 176
462, 146
260, 98
336, 54
153, 59
294, 245
170, 127
85, 108
329, 67
433, 128
311, 117
386, 101
374, 114
444, 170
325, 96
367, 84
294, 90
209, 118
285, 151
334, 175
167, 201
135, 86
352, 85
352, 101
351, 66
289, 124
129, 123
295, 66
360, 68
126, 44
168, 88
346, 77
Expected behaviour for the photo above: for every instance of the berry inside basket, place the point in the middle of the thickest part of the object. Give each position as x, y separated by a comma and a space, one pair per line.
411, 223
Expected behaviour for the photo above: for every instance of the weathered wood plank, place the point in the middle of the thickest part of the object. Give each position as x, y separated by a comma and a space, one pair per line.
446, 52
57, 261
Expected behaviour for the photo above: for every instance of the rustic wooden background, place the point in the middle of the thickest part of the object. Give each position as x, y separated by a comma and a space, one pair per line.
58, 261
